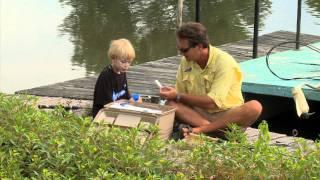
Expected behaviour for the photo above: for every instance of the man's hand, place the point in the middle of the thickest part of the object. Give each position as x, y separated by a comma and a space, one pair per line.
168, 93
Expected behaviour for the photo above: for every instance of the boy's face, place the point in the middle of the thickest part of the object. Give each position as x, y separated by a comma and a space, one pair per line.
121, 65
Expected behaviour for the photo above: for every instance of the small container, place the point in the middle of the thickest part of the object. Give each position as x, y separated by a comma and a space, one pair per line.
135, 97
162, 102
155, 99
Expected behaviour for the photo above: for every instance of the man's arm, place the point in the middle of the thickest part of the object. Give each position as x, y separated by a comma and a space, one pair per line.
204, 102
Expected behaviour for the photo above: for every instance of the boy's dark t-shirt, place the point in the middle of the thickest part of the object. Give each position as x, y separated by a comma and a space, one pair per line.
109, 87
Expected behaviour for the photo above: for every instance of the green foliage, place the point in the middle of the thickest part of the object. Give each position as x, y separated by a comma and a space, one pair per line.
57, 144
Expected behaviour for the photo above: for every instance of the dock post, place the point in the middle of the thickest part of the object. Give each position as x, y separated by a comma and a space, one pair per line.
256, 29
197, 10
298, 24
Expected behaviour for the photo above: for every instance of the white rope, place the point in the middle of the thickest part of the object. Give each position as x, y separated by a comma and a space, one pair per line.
302, 106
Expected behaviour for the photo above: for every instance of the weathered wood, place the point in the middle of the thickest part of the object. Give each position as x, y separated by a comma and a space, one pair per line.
141, 77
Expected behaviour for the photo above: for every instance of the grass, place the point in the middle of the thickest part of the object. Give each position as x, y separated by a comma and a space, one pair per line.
57, 144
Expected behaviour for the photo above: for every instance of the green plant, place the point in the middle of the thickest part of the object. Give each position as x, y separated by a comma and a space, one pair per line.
59, 145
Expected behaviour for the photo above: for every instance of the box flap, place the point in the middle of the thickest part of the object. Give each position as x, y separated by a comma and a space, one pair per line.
135, 107
104, 120
102, 117
126, 120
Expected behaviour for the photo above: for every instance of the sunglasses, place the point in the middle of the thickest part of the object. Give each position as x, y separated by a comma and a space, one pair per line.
185, 50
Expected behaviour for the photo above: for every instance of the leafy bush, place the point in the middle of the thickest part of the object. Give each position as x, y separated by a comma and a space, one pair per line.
57, 144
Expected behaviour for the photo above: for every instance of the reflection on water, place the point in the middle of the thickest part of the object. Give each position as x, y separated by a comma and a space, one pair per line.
314, 8
93, 24
87, 27
150, 25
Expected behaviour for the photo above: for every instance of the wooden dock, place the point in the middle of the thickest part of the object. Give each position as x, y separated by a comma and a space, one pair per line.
141, 77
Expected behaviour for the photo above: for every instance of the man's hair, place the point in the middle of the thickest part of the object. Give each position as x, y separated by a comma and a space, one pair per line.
121, 49
195, 33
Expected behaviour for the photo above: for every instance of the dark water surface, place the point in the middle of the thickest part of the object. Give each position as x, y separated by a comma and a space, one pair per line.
44, 42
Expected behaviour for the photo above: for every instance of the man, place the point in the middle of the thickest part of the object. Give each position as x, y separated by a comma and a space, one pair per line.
208, 86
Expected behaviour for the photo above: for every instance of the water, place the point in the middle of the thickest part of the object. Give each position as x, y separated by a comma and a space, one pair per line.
32, 51
44, 42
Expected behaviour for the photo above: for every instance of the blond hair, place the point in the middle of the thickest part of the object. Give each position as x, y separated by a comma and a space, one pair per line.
121, 49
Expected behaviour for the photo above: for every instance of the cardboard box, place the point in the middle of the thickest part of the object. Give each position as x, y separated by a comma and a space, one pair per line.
132, 114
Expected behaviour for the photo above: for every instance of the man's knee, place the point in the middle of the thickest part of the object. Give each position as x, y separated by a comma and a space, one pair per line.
173, 104
179, 107
254, 109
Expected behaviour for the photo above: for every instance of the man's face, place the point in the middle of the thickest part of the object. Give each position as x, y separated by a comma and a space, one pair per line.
191, 53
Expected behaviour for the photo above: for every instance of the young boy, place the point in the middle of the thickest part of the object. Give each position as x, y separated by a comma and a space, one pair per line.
112, 81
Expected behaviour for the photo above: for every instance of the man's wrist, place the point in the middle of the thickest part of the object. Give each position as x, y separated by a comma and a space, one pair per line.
178, 97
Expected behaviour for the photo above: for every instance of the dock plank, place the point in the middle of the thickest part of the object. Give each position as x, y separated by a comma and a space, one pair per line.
141, 77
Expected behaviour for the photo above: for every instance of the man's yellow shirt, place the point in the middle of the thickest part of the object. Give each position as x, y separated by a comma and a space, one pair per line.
221, 79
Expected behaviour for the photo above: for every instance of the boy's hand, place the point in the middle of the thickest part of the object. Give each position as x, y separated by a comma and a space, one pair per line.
168, 93
139, 100
136, 98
